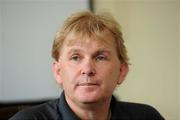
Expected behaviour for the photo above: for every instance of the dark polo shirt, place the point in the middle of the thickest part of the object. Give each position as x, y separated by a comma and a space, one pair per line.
59, 110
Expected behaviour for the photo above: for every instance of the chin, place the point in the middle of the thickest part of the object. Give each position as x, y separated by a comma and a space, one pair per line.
88, 97
88, 100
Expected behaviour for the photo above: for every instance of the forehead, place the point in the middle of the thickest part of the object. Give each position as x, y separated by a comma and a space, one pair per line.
105, 39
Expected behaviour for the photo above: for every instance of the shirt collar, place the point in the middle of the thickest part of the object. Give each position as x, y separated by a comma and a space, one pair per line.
65, 110
117, 112
68, 114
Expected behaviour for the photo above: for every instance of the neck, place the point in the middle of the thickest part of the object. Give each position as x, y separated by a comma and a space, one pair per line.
91, 111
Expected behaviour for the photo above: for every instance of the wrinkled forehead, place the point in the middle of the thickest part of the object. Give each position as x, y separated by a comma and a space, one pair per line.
104, 38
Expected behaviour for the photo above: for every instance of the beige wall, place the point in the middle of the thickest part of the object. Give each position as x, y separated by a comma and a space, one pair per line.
179, 62
151, 33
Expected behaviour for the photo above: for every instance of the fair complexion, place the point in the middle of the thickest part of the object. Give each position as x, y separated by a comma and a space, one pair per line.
89, 71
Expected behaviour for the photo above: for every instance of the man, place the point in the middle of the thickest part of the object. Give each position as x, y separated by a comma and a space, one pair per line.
90, 61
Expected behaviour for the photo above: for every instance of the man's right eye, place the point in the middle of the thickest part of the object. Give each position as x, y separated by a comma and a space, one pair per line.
75, 57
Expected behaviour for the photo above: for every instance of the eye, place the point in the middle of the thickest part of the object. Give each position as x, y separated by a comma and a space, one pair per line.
101, 58
75, 57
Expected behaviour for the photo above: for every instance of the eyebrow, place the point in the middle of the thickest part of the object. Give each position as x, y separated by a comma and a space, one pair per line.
101, 50
74, 50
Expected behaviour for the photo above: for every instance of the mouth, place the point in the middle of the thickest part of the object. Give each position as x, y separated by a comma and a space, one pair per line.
88, 84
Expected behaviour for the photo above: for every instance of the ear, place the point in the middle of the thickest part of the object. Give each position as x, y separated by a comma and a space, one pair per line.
124, 68
56, 72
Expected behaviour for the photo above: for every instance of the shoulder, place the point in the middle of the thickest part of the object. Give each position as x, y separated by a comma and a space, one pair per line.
136, 107
139, 111
48, 110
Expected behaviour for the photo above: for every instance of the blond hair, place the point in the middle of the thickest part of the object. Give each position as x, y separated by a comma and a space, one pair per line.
89, 24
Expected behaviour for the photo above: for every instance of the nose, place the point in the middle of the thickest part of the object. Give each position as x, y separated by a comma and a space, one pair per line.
88, 68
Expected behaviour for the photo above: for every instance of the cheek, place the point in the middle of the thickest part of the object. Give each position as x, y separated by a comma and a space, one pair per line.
110, 73
68, 73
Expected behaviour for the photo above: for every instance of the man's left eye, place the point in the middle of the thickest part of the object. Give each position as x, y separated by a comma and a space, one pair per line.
101, 57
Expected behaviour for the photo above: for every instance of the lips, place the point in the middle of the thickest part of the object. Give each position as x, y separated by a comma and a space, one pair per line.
88, 84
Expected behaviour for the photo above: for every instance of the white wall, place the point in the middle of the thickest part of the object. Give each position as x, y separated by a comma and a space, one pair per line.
0, 51
28, 31
151, 32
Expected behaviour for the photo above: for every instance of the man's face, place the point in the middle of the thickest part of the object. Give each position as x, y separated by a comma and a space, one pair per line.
89, 70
